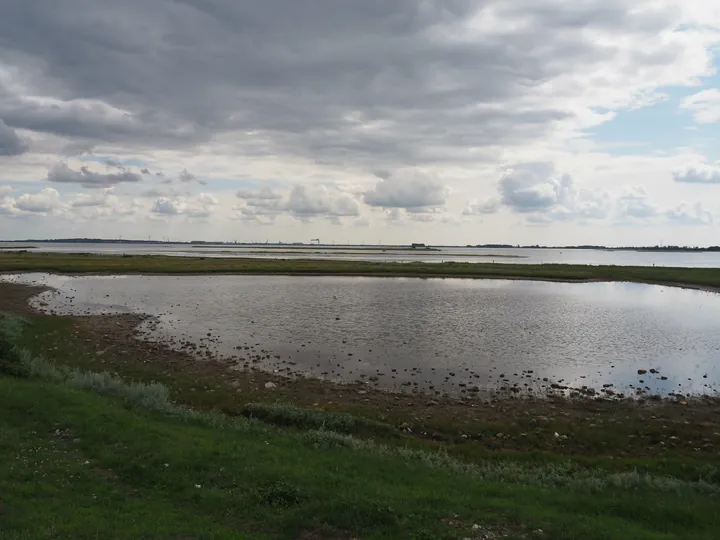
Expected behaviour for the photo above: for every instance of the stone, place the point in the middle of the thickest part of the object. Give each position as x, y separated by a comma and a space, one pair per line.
270, 385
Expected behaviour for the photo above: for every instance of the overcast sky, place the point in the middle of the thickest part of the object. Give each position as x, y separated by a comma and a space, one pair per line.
446, 122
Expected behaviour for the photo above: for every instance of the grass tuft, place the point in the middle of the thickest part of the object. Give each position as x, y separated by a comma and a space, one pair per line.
288, 415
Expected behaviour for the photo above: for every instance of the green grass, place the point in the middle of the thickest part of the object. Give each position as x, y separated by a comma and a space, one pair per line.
149, 264
81, 466
90, 455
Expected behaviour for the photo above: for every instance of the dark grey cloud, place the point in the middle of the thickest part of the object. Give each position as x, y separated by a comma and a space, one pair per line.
186, 176
10, 143
408, 190
62, 174
698, 174
110, 162
373, 83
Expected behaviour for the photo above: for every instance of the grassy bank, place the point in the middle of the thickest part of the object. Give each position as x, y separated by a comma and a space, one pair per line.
155, 264
91, 455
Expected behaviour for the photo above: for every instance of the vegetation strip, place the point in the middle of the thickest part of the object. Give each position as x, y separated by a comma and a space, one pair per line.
78, 263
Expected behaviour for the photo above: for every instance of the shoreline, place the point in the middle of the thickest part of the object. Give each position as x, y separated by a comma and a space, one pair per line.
21, 295
589, 425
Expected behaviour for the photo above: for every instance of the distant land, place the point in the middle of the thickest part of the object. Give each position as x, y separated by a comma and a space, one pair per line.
693, 249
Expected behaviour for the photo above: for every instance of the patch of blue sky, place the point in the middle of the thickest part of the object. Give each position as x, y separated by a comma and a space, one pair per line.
661, 127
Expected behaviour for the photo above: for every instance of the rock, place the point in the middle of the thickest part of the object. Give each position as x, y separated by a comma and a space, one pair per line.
642, 371
270, 385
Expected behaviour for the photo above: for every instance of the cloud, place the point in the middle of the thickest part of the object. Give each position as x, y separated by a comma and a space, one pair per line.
302, 201
690, 214
705, 106
77, 148
45, 202
536, 188
255, 215
10, 143
62, 174
635, 203
531, 187
488, 206
374, 84
406, 189
5, 191
153, 193
84, 200
264, 194
199, 206
430, 96
168, 206
700, 173
313, 201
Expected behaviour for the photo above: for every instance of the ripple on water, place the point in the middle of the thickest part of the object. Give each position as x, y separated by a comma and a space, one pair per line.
438, 335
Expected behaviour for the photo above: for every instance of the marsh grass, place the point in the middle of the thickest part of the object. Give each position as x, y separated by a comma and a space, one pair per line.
158, 264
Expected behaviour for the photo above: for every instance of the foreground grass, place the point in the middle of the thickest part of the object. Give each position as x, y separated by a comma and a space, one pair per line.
148, 264
81, 466
129, 463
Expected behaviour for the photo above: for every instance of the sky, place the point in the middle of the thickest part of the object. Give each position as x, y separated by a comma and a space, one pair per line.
445, 122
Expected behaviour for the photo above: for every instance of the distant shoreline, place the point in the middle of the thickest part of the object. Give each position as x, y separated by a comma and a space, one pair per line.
359, 247
83, 263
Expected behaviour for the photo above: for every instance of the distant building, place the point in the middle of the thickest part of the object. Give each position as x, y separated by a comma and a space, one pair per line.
417, 246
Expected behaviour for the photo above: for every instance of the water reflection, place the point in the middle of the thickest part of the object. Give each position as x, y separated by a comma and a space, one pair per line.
437, 335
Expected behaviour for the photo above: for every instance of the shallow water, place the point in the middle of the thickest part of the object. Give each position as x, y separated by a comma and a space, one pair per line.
423, 333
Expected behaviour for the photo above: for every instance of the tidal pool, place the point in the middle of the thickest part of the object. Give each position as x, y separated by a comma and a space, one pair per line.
433, 335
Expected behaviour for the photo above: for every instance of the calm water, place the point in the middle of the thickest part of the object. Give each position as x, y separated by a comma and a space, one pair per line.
535, 256
422, 333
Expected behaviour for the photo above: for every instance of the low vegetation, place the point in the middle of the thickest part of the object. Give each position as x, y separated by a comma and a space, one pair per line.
156, 264
95, 455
